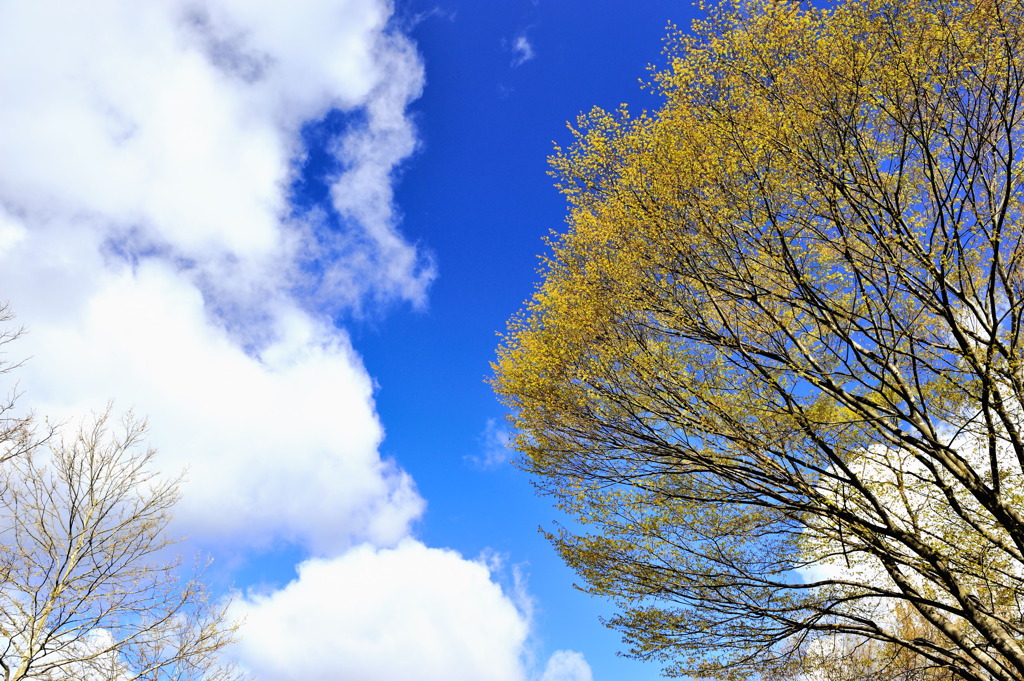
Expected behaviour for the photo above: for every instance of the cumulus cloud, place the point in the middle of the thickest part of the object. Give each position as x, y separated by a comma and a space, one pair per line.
172, 129
409, 612
149, 243
280, 445
567, 665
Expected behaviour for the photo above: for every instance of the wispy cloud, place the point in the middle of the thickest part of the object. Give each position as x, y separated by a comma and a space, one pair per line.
494, 445
522, 50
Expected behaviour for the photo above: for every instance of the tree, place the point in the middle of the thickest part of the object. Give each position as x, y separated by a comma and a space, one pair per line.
15, 428
86, 590
774, 370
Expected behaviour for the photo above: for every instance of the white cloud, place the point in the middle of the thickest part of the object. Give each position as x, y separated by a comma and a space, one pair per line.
147, 240
494, 446
522, 50
171, 127
410, 612
149, 244
279, 445
567, 665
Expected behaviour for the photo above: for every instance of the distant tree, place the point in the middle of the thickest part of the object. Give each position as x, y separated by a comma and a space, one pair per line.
855, 658
774, 372
15, 428
86, 590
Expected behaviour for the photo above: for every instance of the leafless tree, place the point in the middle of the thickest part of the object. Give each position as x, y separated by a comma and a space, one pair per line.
86, 589
14, 427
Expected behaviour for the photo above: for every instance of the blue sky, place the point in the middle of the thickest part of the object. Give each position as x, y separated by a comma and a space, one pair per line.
289, 236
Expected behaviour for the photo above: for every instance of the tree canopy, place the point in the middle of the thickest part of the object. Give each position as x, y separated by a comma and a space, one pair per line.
773, 371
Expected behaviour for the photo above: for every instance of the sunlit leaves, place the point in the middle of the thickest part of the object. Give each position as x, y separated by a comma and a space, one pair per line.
774, 367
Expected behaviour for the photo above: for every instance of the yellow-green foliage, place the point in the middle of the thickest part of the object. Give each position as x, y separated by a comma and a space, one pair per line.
782, 330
